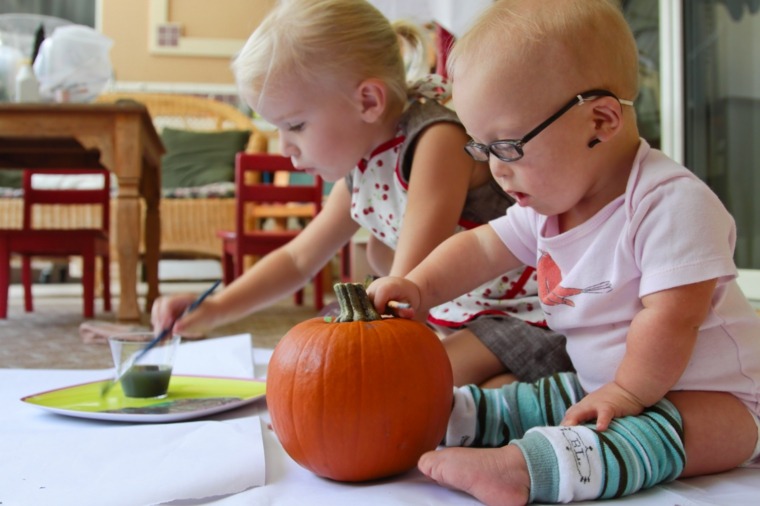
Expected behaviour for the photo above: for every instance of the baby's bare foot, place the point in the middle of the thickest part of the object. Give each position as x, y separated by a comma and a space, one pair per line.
494, 476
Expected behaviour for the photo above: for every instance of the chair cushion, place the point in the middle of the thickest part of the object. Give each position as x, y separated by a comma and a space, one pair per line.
220, 190
200, 158
11, 178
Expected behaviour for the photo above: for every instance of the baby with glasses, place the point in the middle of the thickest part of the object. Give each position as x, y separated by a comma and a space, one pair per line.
329, 75
634, 256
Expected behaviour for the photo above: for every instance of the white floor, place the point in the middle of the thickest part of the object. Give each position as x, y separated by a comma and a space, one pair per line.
189, 270
193, 275
75, 289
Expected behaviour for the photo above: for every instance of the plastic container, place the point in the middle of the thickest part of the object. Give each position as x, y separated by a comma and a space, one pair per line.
27, 86
10, 57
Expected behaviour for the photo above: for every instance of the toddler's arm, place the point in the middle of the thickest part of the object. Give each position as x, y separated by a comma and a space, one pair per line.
441, 176
277, 275
659, 345
460, 264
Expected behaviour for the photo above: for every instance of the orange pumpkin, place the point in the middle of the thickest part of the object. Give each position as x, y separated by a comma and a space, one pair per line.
359, 400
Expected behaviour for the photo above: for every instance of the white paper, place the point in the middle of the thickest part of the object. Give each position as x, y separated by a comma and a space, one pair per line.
66, 455
230, 357
48, 459
131, 465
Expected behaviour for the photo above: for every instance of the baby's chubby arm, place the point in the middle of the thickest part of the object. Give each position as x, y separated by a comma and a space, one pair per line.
659, 346
458, 265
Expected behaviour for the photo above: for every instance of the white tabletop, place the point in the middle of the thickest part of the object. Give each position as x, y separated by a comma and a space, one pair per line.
286, 483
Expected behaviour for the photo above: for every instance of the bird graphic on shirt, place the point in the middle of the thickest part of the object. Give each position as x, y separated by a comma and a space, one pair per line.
551, 292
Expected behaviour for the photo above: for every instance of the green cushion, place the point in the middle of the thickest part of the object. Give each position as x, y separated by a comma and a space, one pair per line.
11, 178
200, 158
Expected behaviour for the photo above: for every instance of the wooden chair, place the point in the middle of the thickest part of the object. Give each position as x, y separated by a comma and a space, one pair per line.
89, 241
257, 200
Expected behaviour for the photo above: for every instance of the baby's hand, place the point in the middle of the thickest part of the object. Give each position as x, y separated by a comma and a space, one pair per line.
610, 401
388, 289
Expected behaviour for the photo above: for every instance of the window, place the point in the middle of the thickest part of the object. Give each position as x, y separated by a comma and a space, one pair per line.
722, 110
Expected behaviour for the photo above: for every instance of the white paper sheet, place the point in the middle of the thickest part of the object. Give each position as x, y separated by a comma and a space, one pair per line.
131, 465
47, 459
222, 356
288, 484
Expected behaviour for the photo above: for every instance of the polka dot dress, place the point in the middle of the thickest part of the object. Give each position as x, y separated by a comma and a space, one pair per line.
378, 201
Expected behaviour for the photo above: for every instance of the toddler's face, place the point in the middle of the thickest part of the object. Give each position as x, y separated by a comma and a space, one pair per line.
318, 128
553, 175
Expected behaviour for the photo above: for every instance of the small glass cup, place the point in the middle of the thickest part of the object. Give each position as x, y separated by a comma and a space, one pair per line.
149, 376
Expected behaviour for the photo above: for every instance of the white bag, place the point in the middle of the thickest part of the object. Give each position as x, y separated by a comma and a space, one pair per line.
73, 64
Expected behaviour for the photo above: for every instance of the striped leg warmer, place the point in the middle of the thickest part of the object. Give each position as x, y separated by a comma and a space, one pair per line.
580, 463
493, 417
570, 463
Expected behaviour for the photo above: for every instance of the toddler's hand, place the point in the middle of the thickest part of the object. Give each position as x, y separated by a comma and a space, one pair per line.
610, 401
167, 309
387, 289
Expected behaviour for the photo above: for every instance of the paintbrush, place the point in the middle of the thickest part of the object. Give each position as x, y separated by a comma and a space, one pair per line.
153, 342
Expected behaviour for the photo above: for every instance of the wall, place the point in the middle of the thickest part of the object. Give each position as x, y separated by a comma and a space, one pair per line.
127, 23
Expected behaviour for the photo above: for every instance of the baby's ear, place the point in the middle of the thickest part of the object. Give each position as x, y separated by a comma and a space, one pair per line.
607, 117
372, 95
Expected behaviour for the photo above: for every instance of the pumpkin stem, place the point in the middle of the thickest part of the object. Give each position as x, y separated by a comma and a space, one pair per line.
355, 305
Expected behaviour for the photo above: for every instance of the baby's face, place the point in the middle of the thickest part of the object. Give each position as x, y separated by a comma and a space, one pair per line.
552, 177
318, 128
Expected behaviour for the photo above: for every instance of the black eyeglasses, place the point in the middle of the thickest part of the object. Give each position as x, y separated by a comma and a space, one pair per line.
510, 150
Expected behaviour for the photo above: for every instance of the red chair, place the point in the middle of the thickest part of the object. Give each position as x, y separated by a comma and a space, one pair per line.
88, 243
256, 201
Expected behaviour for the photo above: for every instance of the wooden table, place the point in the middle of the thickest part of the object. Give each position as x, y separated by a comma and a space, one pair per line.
117, 137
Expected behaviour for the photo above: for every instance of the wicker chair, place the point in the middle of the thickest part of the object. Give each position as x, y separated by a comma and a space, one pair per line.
189, 225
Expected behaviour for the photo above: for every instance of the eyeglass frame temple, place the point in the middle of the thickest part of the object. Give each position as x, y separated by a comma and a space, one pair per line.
579, 99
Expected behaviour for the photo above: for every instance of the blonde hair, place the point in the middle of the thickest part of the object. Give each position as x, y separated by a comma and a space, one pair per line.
583, 43
327, 42
414, 49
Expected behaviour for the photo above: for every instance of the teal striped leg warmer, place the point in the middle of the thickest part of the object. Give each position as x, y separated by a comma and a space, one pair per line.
580, 463
570, 463
493, 417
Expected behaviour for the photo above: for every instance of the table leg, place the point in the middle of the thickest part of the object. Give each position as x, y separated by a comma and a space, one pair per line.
5, 275
135, 179
127, 245
150, 192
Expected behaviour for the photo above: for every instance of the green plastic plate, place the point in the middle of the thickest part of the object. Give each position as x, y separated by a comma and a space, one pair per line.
189, 397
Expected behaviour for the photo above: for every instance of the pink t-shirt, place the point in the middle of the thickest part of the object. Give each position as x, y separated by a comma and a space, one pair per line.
668, 229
